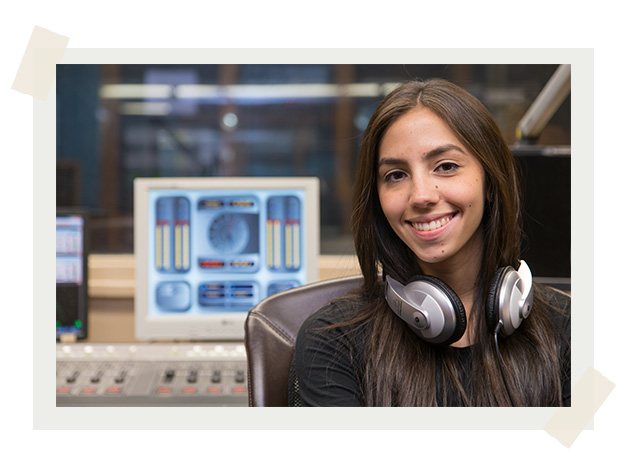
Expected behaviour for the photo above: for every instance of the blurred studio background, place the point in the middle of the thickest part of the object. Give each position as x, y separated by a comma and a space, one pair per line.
119, 122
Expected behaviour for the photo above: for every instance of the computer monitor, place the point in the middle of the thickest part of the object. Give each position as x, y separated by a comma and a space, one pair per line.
72, 273
207, 250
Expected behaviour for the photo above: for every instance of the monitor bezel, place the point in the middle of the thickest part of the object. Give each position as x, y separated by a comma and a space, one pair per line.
219, 326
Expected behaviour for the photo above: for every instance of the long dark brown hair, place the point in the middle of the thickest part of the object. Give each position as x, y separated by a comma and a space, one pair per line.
401, 369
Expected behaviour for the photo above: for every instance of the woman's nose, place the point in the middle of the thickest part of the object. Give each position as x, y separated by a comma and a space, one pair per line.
424, 192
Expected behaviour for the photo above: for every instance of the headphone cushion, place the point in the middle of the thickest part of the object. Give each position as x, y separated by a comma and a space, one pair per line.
457, 306
492, 308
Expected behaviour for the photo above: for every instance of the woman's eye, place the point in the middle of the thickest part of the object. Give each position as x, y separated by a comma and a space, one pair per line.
394, 176
447, 167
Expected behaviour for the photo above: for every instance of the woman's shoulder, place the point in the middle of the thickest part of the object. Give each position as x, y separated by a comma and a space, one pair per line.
557, 305
328, 356
341, 324
334, 314
556, 300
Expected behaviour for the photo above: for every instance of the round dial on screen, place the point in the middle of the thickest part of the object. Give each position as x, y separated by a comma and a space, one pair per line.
229, 233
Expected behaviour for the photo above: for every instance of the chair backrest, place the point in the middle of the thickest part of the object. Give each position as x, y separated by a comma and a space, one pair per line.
270, 335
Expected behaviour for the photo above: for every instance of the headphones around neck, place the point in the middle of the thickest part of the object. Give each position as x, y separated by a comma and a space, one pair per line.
436, 314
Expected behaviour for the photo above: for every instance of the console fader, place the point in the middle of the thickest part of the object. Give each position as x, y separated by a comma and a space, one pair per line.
151, 374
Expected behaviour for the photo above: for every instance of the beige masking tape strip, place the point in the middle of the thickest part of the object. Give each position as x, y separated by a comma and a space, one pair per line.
588, 395
37, 71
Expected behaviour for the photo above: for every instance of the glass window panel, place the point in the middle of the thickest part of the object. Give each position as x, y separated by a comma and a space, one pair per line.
118, 122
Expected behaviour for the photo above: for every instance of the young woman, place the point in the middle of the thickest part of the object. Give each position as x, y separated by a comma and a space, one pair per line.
436, 195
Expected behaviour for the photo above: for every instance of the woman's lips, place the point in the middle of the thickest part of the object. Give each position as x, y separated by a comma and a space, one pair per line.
433, 224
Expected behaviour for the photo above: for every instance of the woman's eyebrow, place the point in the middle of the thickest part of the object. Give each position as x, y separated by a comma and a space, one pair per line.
391, 161
441, 149
428, 155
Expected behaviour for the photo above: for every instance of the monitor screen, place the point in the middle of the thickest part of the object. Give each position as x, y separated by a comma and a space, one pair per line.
71, 272
207, 250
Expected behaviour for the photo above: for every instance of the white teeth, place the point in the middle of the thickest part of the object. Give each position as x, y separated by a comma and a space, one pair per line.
432, 225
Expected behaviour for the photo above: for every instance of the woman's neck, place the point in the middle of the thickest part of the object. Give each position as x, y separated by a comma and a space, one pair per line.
460, 272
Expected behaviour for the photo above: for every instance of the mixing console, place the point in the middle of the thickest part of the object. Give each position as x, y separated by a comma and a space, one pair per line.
151, 374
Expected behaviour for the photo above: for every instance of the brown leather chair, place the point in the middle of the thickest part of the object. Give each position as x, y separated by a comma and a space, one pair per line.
270, 336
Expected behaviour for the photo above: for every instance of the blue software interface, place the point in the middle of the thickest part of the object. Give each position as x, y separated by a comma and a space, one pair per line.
223, 250
71, 271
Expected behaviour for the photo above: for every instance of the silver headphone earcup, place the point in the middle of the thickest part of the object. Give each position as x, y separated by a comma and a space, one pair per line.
430, 307
492, 307
506, 302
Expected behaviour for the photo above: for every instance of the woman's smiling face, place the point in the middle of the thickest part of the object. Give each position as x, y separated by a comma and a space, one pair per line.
431, 190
